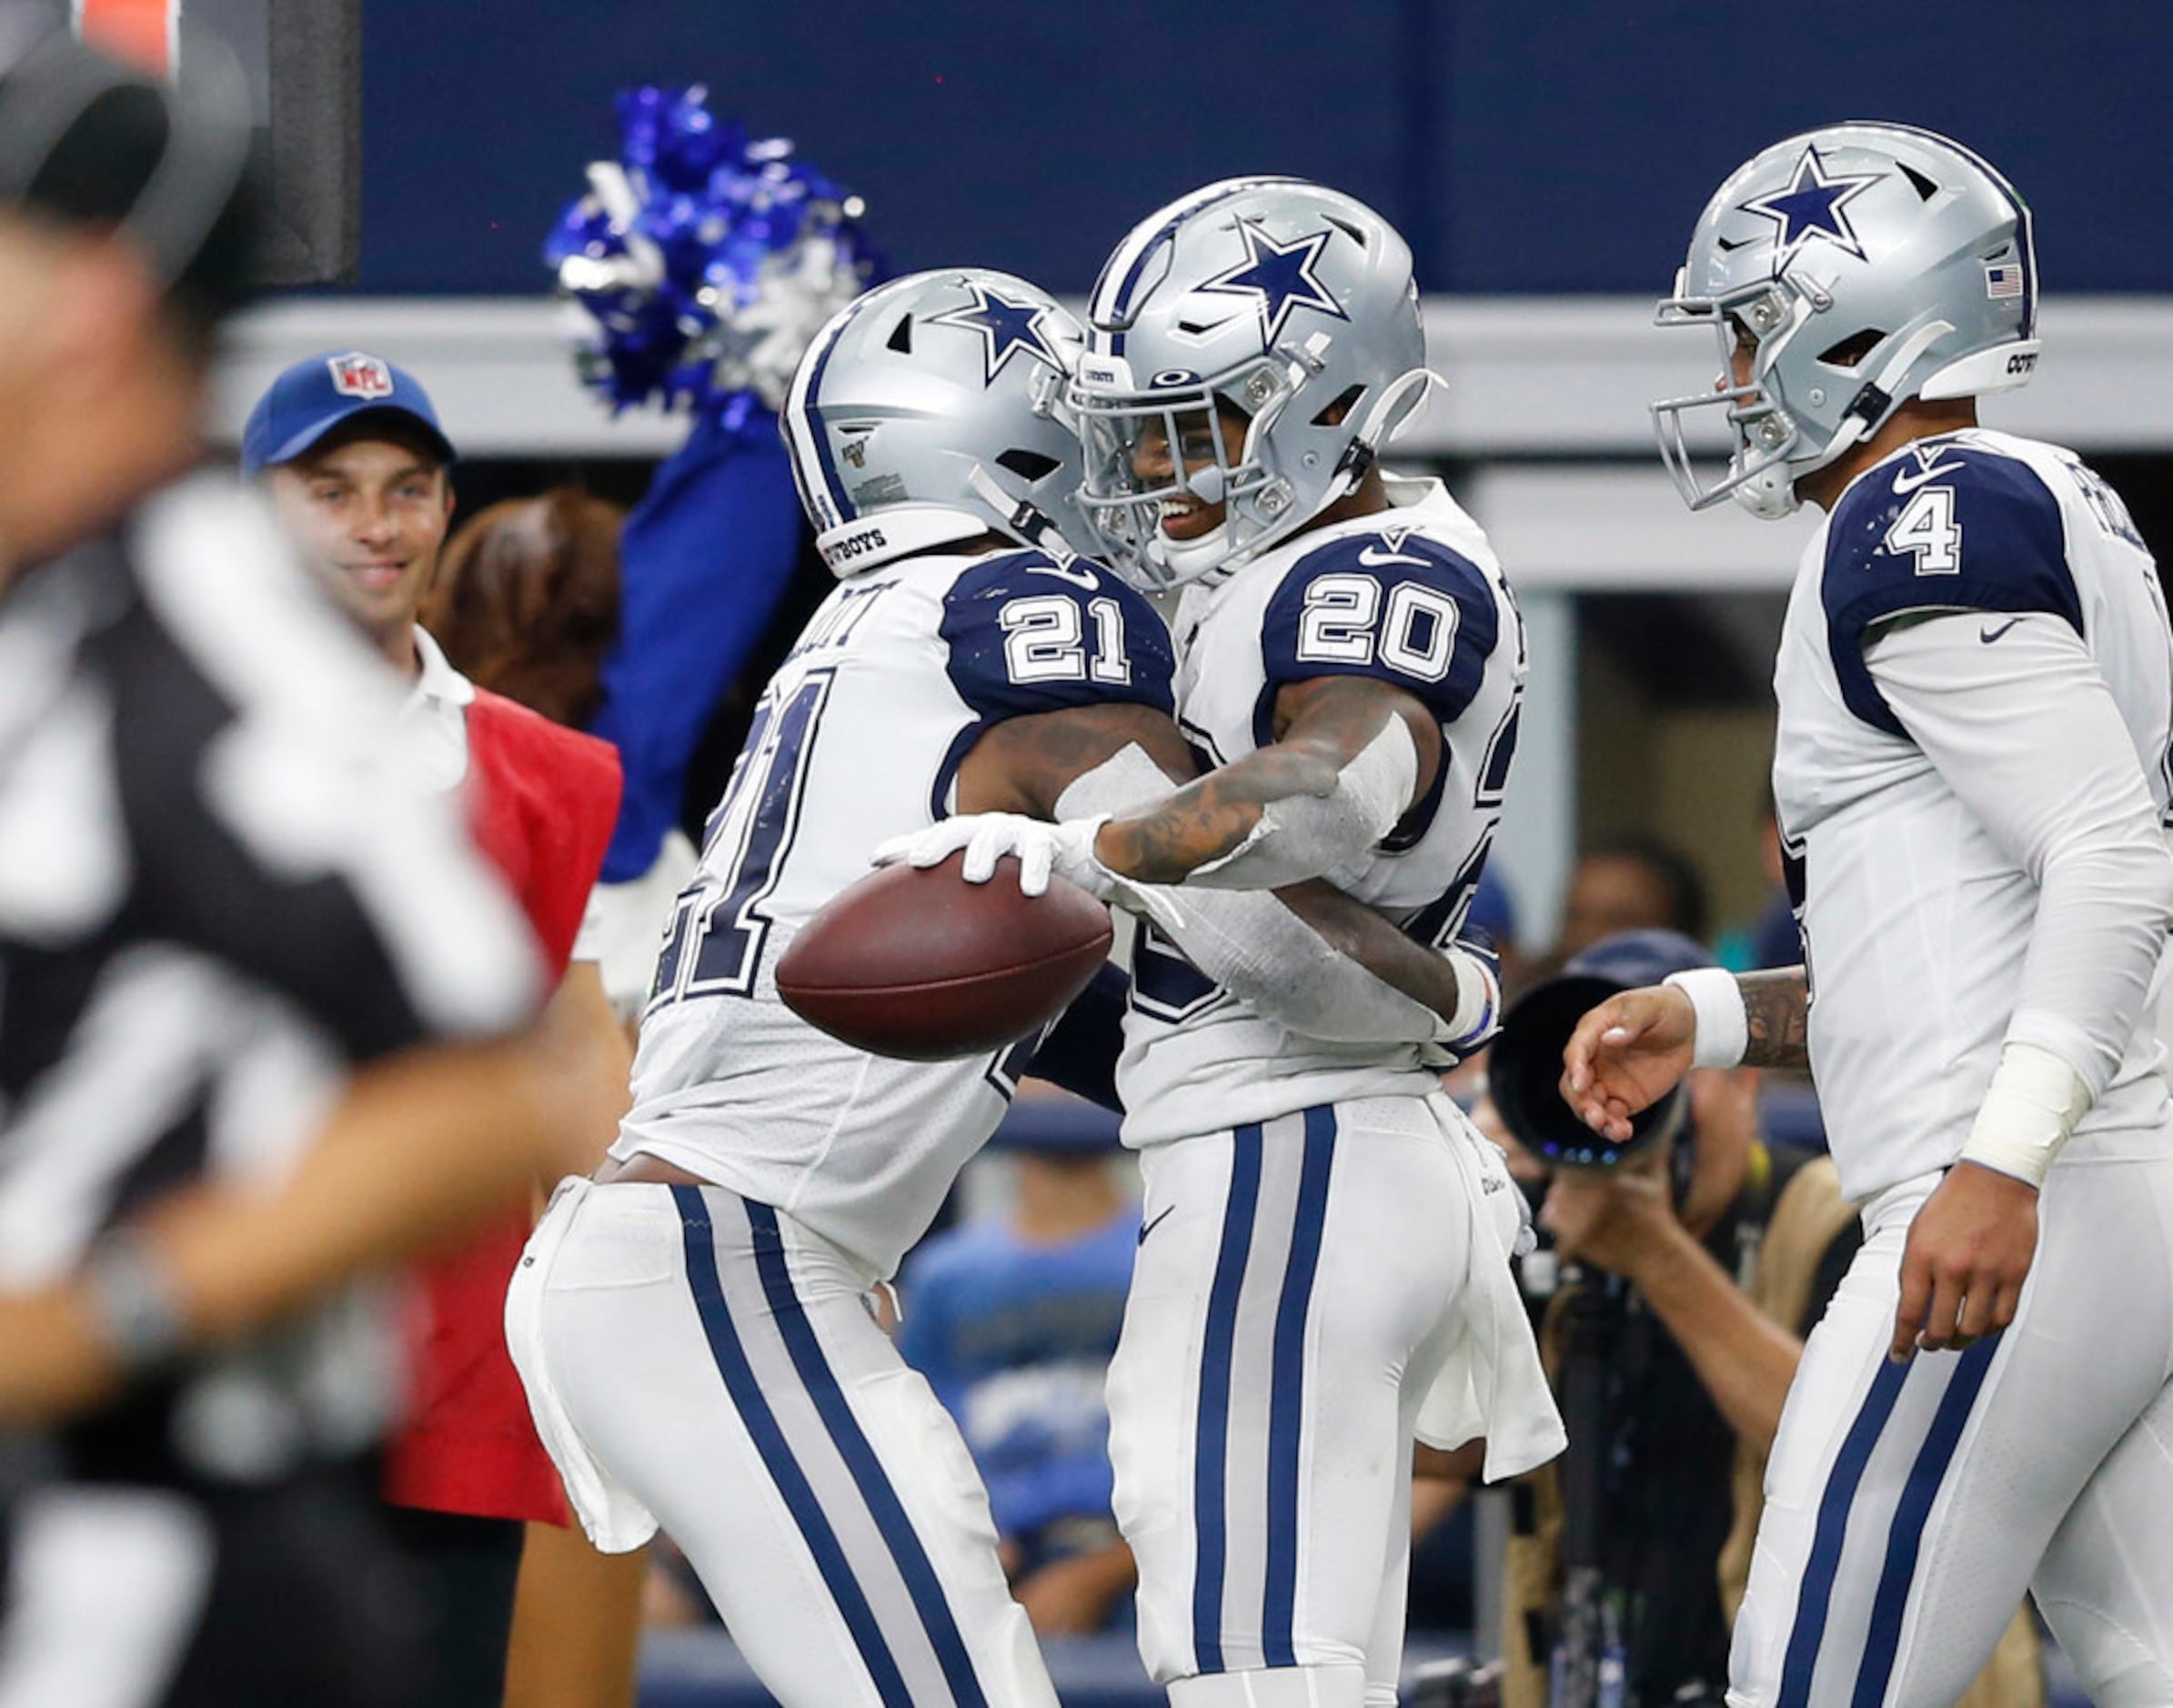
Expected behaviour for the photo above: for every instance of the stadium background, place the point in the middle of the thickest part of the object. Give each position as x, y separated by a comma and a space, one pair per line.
1545, 160
1546, 157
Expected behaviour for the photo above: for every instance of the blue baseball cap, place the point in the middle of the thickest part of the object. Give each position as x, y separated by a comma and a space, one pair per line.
315, 395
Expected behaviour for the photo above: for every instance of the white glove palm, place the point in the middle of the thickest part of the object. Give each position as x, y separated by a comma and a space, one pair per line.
1066, 849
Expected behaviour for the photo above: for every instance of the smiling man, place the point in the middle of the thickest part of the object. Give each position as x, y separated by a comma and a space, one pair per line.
349, 448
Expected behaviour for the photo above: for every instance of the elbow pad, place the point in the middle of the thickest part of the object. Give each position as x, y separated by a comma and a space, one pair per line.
1306, 836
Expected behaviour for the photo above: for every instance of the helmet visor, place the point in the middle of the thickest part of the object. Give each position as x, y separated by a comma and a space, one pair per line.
1735, 416
1166, 479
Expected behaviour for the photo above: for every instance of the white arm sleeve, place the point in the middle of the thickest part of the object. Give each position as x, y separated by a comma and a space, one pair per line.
1309, 836
1246, 941
2025, 732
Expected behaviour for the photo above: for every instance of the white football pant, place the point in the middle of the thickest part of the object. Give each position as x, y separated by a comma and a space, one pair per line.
1909, 1506
1292, 1302
720, 1360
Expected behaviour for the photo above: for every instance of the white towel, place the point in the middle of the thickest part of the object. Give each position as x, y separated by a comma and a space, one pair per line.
614, 1520
1494, 1383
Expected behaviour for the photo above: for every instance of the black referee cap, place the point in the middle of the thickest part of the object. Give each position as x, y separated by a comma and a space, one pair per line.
86, 141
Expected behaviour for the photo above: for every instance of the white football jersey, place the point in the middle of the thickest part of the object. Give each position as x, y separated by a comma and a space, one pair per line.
1411, 596
1916, 923
858, 738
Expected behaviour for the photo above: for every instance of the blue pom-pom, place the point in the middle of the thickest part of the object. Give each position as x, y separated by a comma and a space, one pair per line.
705, 262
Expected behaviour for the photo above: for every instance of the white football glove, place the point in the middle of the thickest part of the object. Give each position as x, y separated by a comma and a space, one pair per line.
1067, 849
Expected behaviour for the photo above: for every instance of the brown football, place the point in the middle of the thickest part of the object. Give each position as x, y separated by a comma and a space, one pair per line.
925, 966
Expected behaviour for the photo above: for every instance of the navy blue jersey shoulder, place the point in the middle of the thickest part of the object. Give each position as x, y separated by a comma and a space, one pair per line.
1951, 526
1026, 634
1393, 605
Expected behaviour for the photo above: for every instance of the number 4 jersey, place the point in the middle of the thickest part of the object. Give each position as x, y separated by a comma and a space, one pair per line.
1919, 912
1412, 597
858, 738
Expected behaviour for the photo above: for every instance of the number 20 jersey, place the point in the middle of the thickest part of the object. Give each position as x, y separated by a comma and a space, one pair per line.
1916, 923
857, 739
1412, 597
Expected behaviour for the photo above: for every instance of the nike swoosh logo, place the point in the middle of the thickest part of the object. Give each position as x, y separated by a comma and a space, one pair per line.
1989, 634
1905, 483
1374, 557
1157, 1223
1077, 578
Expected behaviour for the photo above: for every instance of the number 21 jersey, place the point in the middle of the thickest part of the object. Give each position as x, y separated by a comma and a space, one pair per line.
857, 739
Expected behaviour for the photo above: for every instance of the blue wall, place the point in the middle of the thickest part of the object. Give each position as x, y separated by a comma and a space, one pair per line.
1522, 144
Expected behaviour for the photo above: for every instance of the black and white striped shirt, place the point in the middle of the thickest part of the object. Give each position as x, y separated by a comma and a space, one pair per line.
218, 889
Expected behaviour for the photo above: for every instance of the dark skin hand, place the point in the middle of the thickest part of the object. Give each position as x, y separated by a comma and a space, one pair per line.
1968, 1252
1023, 764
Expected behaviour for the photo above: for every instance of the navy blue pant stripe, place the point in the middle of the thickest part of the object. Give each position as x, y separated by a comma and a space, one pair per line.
1212, 1428
836, 1411
1815, 1596
1882, 1640
777, 1453
1286, 1395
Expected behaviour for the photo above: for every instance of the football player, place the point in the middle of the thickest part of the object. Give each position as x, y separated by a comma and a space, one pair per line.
1971, 771
1325, 1236
692, 1324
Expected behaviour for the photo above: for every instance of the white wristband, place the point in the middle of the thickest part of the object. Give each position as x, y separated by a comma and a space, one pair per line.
2029, 1111
1478, 1003
1723, 1031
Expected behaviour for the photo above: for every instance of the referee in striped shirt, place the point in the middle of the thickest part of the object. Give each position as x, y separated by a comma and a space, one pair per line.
264, 1017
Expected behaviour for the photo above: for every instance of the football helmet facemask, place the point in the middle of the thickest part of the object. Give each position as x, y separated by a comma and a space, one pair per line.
930, 410
1279, 306
1860, 266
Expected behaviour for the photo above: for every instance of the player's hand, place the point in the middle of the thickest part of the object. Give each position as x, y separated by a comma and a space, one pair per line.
1040, 847
1968, 1252
1626, 1055
1072, 1597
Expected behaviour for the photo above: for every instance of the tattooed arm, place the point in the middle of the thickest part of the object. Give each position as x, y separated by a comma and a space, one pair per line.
1626, 1053
1322, 728
1777, 1006
1025, 764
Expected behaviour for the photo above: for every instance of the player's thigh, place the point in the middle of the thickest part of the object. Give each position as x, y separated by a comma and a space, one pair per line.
748, 1399
1907, 1504
2106, 1585
1287, 1279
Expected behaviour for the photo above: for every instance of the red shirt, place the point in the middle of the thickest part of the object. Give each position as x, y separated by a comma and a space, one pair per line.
542, 799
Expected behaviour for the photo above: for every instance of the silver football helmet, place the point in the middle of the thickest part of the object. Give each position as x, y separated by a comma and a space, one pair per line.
1863, 265
930, 410
1290, 308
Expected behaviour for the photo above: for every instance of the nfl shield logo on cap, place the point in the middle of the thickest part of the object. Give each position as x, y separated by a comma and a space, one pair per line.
355, 374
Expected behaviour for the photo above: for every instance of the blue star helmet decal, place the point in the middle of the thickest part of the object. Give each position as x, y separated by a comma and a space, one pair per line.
1005, 328
1279, 278
1815, 205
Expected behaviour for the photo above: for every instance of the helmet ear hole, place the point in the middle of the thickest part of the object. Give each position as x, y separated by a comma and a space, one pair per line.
1029, 465
1852, 350
1337, 409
